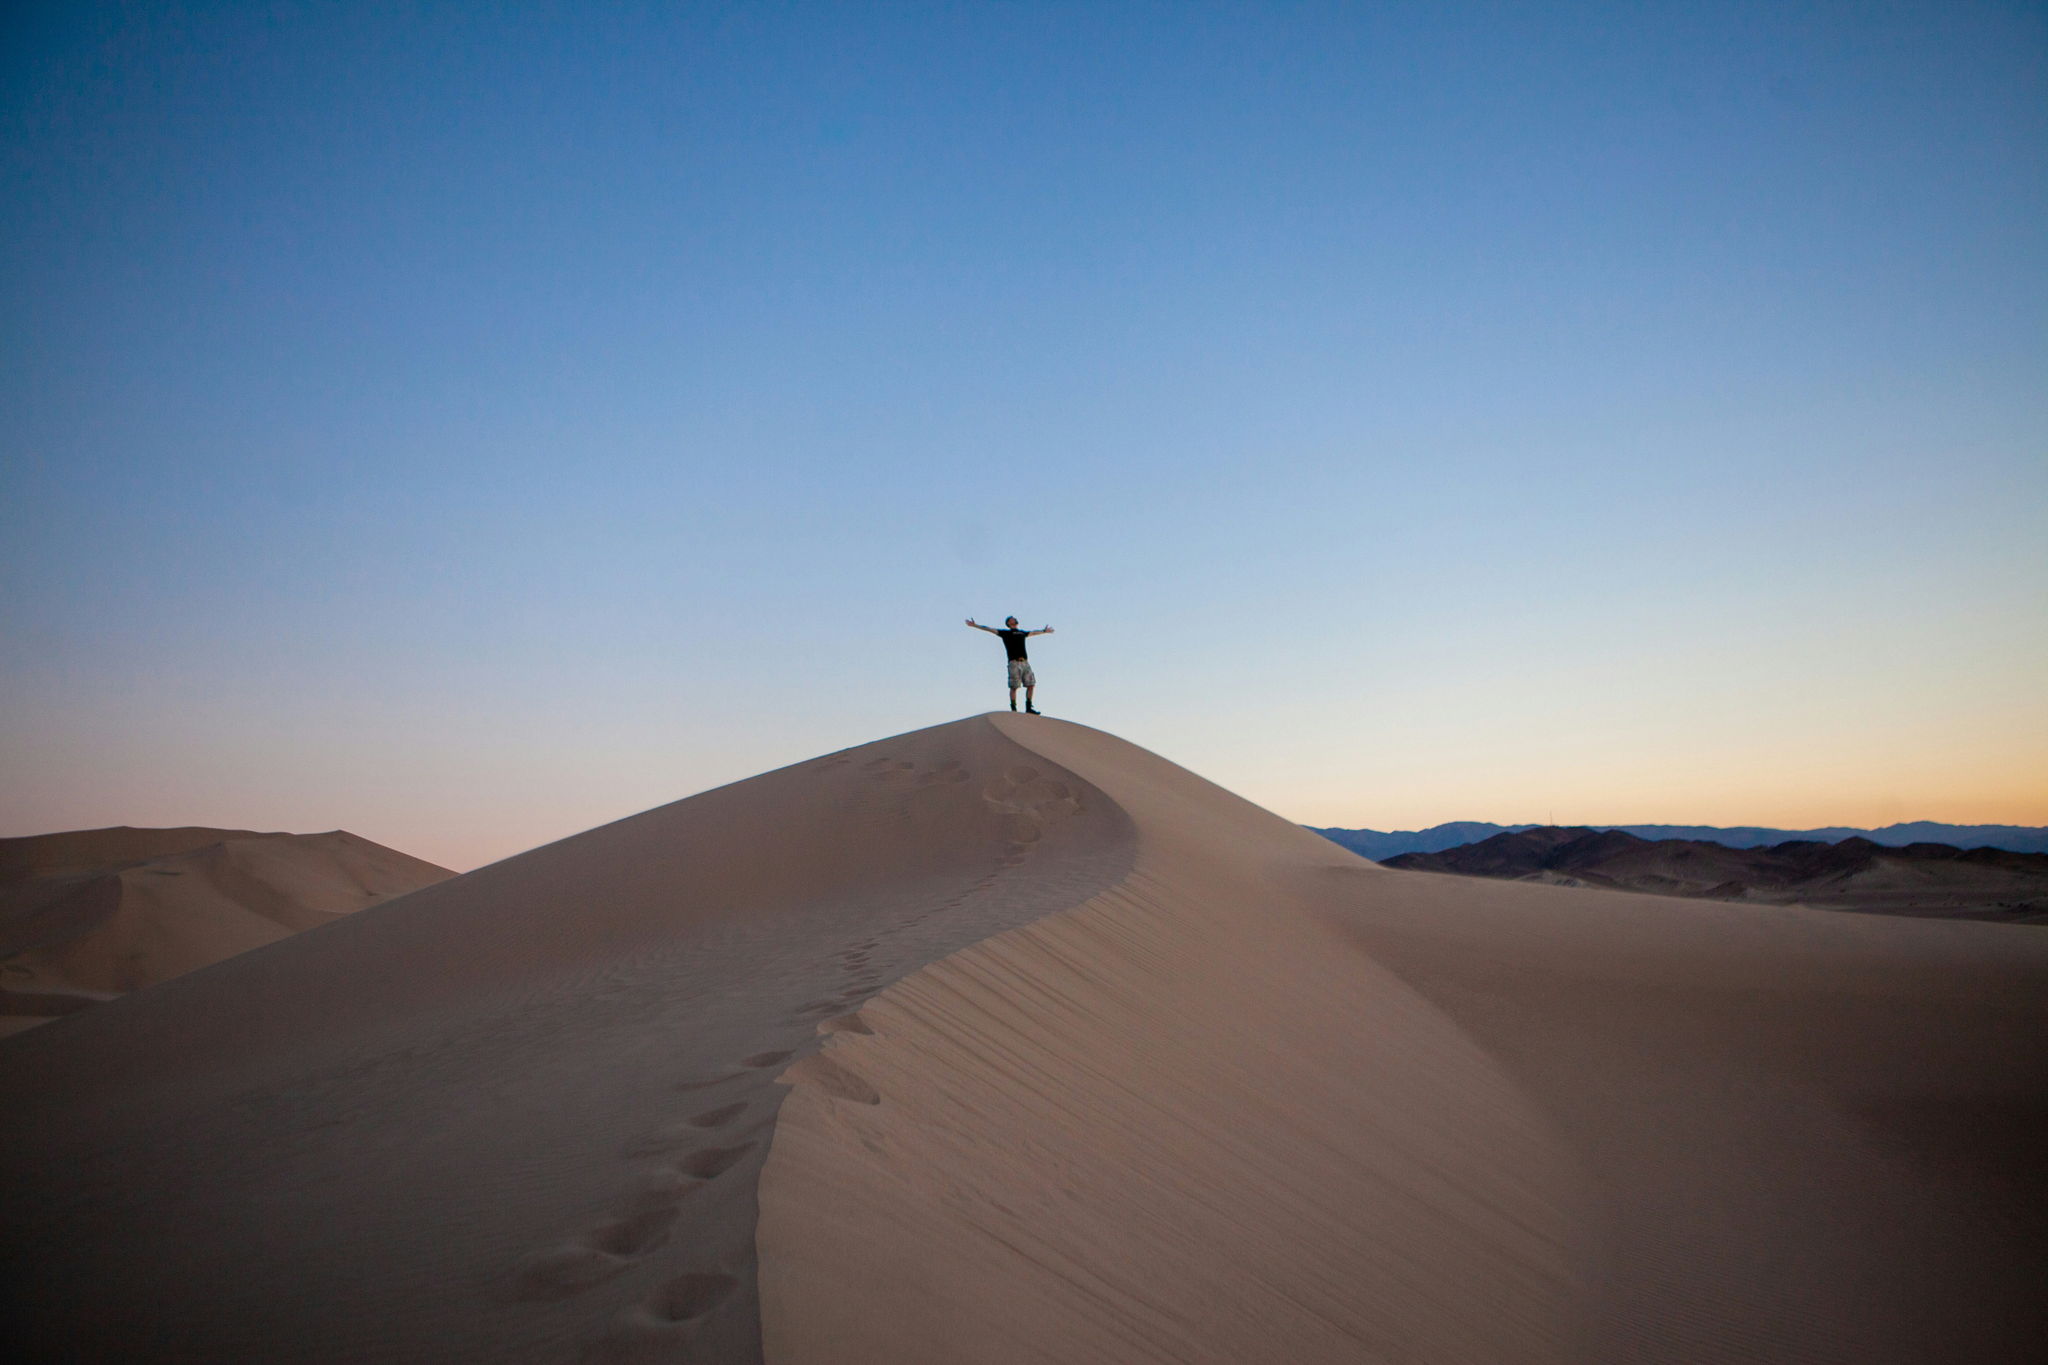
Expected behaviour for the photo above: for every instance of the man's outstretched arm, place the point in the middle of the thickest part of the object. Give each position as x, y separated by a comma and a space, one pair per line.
1042, 630
979, 626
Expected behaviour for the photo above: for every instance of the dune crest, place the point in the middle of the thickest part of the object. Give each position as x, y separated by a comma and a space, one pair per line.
1262, 1101
517, 1115
1185, 1122
1007, 1041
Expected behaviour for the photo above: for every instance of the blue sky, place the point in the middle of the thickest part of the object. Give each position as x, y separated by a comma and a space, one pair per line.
465, 425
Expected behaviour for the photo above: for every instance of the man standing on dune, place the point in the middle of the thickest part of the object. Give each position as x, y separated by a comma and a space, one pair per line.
1020, 665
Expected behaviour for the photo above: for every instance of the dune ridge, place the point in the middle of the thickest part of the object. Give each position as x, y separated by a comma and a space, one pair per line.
517, 1115
1179, 1123
89, 915
1005, 1041
1263, 1102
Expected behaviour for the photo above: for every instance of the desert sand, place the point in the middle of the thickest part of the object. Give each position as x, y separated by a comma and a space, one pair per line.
88, 915
1008, 1041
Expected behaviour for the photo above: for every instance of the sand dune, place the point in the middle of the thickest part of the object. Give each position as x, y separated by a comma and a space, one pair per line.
88, 915
1263, 1102
1027, 1045
518, 1115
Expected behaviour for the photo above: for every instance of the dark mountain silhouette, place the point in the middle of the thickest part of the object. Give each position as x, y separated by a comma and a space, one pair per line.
1850, 874
1380, 845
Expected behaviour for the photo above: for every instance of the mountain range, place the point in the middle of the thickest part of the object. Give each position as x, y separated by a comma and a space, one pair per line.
1380, 845
1851, 874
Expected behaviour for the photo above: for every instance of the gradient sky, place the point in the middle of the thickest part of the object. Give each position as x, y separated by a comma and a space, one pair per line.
465, 425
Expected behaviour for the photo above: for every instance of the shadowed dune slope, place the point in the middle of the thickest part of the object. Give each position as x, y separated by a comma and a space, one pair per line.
518, 1115
1260, 1101
90, 914
96, 850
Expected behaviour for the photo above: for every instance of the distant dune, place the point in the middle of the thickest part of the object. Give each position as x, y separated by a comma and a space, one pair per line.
89, 915
1854, 874
1380, 845
1006, 1041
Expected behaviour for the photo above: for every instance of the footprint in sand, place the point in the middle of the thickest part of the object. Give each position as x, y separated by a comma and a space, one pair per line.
689, 1297
719, 1117
706, 1085
713, 1162
1023, 794
668, 1189
761, 1060
637, 1235
903, 774
891, 772
655, 1331
832, 1077
659, 1143
561, 1271
946, 773
688, 1133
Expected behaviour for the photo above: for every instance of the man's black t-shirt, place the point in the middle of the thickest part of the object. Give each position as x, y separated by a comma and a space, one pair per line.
1013, 642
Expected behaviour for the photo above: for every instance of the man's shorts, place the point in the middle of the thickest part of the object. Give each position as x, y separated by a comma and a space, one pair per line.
1021, 674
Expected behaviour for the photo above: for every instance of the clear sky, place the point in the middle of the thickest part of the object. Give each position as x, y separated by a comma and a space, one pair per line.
466, 424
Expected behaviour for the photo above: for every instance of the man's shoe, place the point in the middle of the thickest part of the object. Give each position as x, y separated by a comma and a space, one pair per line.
1013, 706
1033, 711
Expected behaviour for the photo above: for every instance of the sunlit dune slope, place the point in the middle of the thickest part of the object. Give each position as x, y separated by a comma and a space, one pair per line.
518, 1115
91, 914
1260, 1101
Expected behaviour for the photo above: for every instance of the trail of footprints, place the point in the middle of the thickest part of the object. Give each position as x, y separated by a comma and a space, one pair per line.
652, 1333
646, 1220
903, 775
1029, 804
1029, 801
649, 1332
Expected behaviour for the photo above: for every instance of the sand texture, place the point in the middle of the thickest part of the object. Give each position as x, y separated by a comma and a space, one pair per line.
1006, 1041
88, 915
518, 1115
1262, 1101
